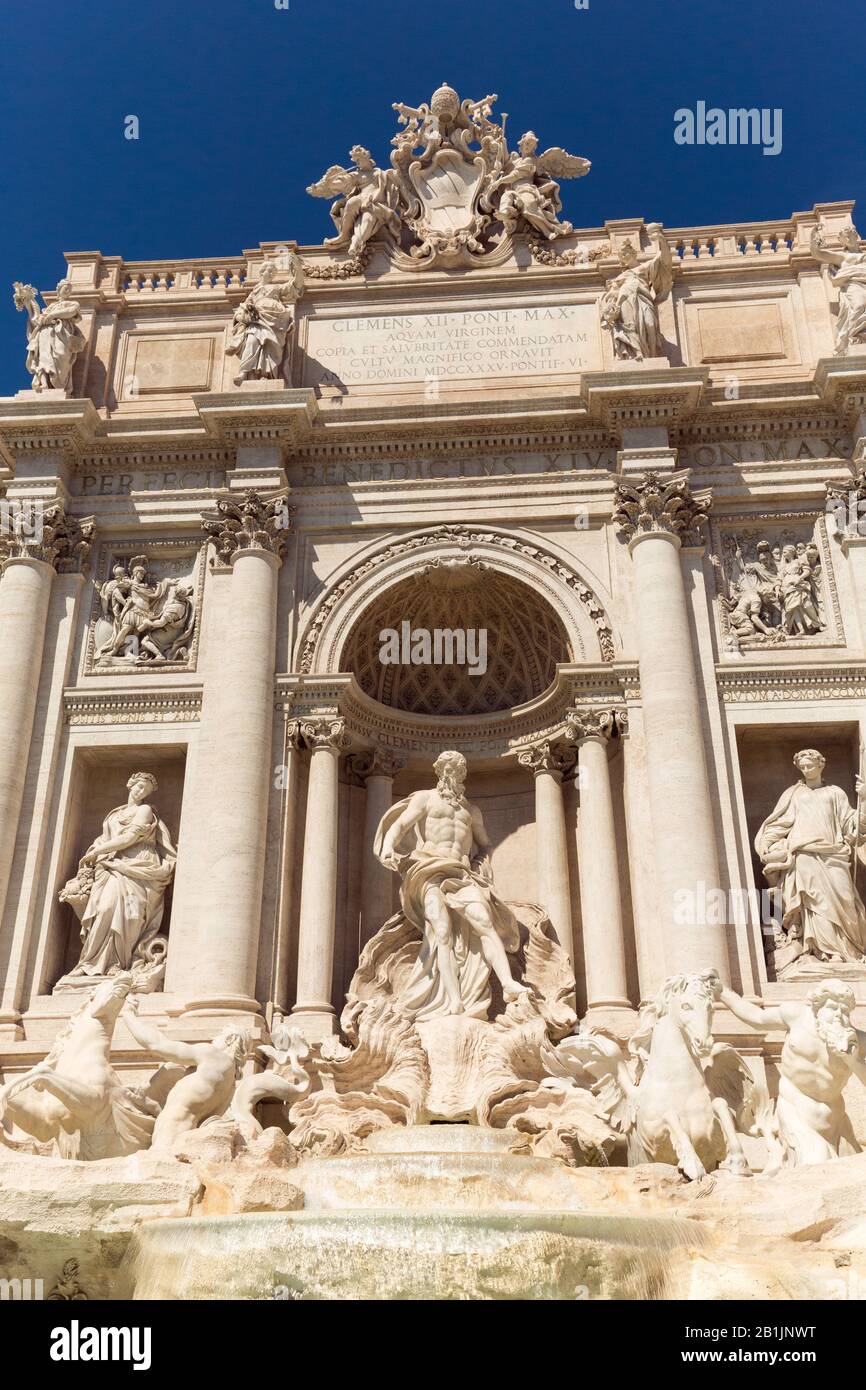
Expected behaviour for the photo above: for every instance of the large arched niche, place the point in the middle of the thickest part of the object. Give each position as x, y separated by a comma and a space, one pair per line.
540, 608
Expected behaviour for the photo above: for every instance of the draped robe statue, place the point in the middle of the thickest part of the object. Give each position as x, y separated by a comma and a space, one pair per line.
805, 845
118, 891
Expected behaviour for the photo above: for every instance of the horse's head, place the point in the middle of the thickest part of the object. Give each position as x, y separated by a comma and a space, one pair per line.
687, 1000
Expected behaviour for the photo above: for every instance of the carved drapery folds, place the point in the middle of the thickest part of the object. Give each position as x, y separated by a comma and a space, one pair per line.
34, 530
657, 505
255, 523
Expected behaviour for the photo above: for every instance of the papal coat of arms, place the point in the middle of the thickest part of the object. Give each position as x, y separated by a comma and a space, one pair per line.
454, 193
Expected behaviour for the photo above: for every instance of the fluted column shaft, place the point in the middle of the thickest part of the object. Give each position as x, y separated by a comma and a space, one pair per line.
37, 540
655, 516
376, 769
318, 913
25, 592
216, 972
548, 762
598, 867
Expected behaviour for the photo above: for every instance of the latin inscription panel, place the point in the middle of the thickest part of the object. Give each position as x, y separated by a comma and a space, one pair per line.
557, 339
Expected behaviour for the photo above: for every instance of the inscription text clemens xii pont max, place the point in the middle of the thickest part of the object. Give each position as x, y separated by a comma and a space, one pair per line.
472, 343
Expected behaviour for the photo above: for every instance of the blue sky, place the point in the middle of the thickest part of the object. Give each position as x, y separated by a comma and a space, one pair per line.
241, 105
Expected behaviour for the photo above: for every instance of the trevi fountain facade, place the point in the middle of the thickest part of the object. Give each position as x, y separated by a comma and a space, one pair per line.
432, 675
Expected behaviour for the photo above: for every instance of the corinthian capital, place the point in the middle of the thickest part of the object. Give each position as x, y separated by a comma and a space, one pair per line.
657, 505
254, 523
321, 732
31, 529
549, 755
375, 762
594, 723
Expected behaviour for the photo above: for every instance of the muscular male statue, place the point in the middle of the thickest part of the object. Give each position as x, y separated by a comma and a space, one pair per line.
822, 1049
201, 1094
447, 893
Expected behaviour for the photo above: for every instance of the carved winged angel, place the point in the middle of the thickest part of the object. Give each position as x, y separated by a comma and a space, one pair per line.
629, 305
526, 183
366, 200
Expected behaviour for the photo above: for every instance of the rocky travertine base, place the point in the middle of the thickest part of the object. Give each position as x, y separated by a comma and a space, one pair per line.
55, 1210
441, 1212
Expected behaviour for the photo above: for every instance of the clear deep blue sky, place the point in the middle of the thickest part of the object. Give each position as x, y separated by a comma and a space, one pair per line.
242, 105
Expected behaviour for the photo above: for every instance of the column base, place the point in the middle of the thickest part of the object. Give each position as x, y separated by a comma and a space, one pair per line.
315, 1022
226, 1005
617, 1015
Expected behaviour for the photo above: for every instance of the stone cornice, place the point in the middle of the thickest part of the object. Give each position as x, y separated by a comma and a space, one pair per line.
34, 426
754, 683
166, 705
250, 417
635, 397
589, 686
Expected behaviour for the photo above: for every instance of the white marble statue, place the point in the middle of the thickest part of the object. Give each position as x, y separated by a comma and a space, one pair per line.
366, 200
119, 889
447, 893
850, 280
689, 1098
206, 1091
285, 1081
629, 305
807, 847
74, 1097
262, 325
526, 187
151, 621
54, 338
822, 1051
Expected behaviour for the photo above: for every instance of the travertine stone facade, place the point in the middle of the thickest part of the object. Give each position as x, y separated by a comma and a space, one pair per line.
652, 544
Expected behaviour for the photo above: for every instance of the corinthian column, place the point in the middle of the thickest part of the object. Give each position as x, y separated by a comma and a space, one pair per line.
35, 543
548, 761
655, 516
326, 739
598, 866
217, 970
375, 768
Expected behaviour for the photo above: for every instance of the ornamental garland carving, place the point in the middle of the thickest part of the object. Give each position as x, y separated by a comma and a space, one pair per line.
464, 536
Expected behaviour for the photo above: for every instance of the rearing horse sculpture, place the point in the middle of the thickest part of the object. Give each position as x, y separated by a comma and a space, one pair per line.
74, 1097
690, 1098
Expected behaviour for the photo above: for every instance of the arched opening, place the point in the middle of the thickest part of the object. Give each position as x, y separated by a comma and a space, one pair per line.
509, 638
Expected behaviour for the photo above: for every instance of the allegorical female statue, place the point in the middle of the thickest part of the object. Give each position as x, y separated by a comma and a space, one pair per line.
262, 324
118, 891
807, 846
629, 305
54, 338
850, 280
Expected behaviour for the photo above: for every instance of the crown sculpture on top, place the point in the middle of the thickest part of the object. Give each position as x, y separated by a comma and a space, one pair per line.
454, 192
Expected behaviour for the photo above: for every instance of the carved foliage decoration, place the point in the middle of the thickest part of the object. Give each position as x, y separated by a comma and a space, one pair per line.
249, 523
35, 530
659, 505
